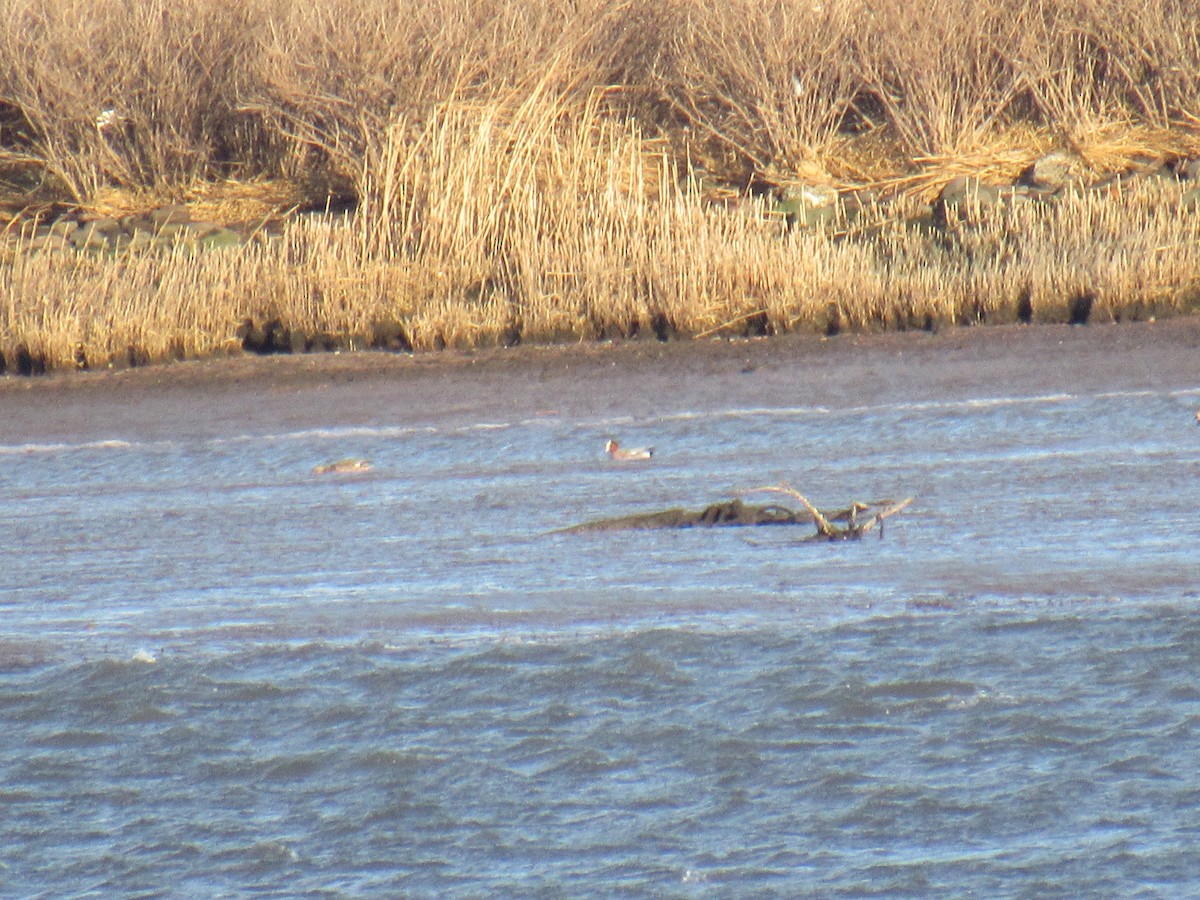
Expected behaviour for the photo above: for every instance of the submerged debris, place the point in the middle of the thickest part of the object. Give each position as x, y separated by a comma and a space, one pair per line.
852, 522
342, 466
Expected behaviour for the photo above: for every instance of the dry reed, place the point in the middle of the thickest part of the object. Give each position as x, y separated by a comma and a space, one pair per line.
507, 194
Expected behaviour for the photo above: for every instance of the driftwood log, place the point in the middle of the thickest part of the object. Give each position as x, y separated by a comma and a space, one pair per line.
846, 524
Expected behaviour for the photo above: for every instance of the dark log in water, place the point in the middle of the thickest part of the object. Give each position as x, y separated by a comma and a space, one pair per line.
733, 513
730, 513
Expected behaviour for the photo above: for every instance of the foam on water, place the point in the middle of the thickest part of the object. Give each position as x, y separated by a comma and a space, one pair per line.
549, 422
37, 448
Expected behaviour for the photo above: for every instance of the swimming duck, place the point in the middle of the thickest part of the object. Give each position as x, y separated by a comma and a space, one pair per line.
340, 466
619, 453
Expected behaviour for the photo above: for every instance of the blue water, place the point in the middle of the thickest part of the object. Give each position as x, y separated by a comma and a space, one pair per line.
221, 674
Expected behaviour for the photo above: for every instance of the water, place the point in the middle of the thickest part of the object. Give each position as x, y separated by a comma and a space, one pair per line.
221, 674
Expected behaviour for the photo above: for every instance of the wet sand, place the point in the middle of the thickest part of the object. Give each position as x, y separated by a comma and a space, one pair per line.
630, 378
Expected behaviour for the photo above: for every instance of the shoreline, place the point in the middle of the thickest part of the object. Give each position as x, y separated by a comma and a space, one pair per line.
300, 370
626, 379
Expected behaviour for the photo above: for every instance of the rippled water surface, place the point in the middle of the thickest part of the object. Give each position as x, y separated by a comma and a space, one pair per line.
221, 674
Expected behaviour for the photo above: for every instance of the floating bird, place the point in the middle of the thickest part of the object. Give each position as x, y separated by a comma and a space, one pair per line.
617, 452
340, 466
1198, 417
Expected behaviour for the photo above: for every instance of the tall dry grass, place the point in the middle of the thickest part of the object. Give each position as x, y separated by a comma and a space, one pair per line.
569, 243
171, 72
265, 87
529, 170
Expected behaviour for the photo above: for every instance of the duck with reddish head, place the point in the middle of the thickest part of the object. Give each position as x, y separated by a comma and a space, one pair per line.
619, 453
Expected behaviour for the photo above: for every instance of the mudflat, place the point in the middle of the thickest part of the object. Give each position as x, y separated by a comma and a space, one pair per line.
629, 378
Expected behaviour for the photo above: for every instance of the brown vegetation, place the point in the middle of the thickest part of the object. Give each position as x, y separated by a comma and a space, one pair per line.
574, 170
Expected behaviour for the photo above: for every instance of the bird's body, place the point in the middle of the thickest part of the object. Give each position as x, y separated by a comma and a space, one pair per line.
350, 464
617, 452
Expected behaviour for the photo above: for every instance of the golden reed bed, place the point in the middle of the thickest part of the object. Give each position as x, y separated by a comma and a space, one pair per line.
557, 171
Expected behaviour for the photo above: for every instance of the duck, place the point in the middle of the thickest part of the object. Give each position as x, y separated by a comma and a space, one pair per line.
341, 466
613, 449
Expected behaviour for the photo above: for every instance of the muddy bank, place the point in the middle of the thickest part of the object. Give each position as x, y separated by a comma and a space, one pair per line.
628, 379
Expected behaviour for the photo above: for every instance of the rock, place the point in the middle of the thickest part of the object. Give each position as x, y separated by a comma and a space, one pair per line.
138, 223
1053, 172
43, 244
51, 237
808, 205
967, 189
62, 228
1188, 169
141, 240
855, 203
167, 228
198, 231
170, 215
95, 235
218, 238
173, 230
958, 194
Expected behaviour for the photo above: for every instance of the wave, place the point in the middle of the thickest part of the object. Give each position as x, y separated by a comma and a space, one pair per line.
783, 412
550, 421
34, 448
